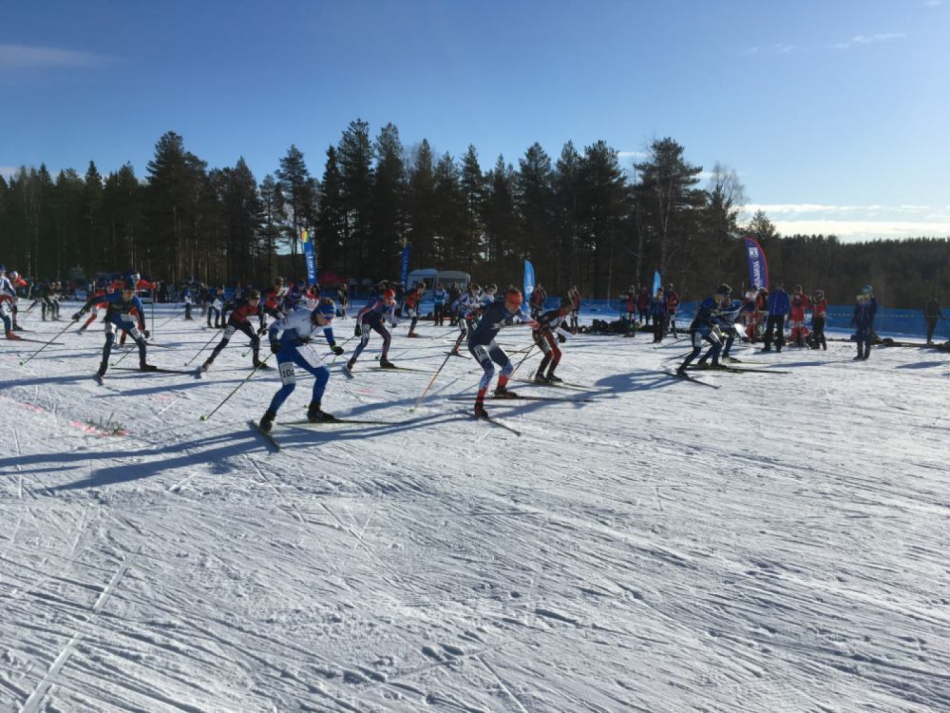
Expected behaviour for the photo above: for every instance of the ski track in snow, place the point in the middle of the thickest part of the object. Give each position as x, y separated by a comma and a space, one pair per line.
777, 545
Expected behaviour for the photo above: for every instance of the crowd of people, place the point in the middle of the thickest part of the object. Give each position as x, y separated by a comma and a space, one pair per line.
291, 313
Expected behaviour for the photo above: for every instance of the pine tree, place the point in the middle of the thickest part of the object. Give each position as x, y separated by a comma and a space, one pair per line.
331, 220
534, 198
451, 229
272, 207
421, 206
355, 156
501, 223
298, 190
93, 251
389, 198
668, 202
566, 230
473, 187
603, 213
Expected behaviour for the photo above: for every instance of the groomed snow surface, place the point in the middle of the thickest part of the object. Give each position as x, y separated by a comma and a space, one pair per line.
779, 544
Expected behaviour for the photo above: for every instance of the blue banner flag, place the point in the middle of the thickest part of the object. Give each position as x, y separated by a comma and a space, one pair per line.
310, 255
528, 281
758, 266
657, 282
404, 270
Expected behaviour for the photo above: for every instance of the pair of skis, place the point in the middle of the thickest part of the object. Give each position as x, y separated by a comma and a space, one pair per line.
333, 420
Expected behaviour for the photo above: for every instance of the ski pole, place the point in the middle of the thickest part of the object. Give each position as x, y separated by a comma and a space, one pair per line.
235, 389
213, 337
333, 361
431, 382
175, 316
29, 358
526, 355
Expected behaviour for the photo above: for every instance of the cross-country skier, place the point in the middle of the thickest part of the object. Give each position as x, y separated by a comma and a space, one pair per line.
725, 319
118, 316
865, 309
287, 336
465, 307
705, 327
371, 317
411, 307
8, 300
481, 343
239, 320
549, 330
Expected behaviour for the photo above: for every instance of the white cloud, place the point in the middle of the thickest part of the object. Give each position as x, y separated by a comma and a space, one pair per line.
804, 209
869, 39
14, 57
632, 154
864, 229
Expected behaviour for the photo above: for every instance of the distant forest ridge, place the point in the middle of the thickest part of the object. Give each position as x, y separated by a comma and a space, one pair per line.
579, 217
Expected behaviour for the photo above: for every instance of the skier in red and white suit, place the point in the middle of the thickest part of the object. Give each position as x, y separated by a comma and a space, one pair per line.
800, 303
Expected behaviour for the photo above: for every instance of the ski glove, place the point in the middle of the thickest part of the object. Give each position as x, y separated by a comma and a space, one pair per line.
358, 332
561, 338
77, 316
275, 347
146, 333
336, 349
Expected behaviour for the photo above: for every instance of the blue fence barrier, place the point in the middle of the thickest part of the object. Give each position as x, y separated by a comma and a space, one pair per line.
907, 322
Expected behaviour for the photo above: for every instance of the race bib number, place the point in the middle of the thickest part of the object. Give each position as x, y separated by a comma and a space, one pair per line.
481, 352
287, 375
229, 331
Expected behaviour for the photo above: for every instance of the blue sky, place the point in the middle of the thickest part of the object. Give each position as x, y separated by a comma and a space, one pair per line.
834, 114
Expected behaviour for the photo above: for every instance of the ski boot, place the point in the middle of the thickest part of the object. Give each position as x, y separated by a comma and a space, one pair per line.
540, 378
480, 411
267, 420
11, 335
316, 415
386, 364
412, 334
552, 379
143, 366
207, 364
502, 392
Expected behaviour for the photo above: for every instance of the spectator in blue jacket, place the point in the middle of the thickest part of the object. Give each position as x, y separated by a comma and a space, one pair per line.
779, 307
865, 309
658, 313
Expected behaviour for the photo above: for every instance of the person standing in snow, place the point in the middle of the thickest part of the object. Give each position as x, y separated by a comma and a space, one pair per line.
779, 307
658, 312
819, 316
672, 304
865, 310
932, 313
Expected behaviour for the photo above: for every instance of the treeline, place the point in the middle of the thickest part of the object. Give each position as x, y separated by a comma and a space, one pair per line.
581, 217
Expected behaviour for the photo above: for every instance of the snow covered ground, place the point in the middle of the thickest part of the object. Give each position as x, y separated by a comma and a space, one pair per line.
779, 544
